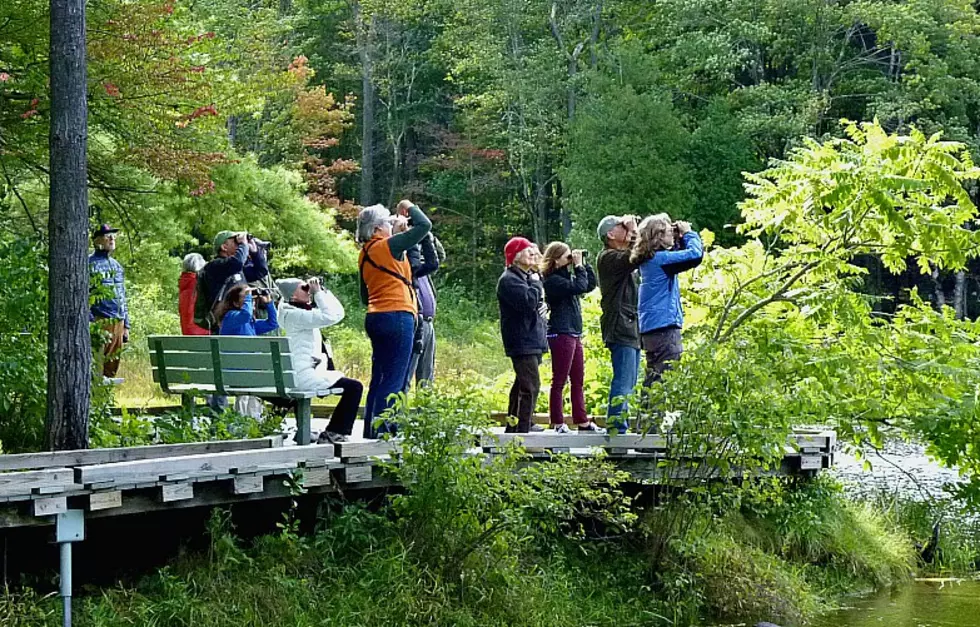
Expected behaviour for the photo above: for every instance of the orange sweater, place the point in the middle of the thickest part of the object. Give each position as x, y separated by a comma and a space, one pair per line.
386, 293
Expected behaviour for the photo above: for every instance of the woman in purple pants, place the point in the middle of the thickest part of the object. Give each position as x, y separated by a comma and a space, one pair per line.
566, 277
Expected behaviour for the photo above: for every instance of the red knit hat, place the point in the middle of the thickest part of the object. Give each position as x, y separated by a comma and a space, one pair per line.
515, 245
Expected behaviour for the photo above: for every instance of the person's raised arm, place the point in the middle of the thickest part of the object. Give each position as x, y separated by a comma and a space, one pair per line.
430, 258
523, 295
421, 225
259, 268
676, 261
271, 323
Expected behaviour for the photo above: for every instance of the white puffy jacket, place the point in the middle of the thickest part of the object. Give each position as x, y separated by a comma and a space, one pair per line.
302, 327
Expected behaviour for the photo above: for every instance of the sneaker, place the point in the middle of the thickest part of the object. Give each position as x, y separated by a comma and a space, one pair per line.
562, 429
331, 437
536, 429
591, 427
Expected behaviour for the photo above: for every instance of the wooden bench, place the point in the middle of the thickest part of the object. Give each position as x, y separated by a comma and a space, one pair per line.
230, 365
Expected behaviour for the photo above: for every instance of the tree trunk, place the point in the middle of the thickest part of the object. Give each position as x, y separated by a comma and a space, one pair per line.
959, 295
69, 344
938, 296
367, 106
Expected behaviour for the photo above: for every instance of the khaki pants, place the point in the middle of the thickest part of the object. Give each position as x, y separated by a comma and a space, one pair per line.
116, 329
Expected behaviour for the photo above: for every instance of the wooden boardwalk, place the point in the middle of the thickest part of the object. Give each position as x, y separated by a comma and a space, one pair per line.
115, 482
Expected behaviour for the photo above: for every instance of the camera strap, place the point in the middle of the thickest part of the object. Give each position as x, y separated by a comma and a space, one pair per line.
407, 282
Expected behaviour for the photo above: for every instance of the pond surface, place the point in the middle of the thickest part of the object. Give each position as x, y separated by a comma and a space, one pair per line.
920, 604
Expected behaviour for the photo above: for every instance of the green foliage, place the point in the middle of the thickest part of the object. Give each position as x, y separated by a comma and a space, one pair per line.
471, 514
625, 155
23, 344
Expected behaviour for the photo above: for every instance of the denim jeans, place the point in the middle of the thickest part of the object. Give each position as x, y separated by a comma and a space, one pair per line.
392, 335
626, 370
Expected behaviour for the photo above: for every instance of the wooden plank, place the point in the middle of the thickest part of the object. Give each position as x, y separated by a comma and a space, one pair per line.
811, 462
357, 474
232, 378
49, 506
182, 360
226, 343
248, 484
313, 477
14, 483
106, 499
86, 457
368, 448
176, 492
576, 440
198, 465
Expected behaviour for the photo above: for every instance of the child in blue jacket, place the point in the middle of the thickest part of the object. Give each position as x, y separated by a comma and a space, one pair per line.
236, 314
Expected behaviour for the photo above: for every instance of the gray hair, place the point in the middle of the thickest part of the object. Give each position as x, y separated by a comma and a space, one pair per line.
192, 263
369, 219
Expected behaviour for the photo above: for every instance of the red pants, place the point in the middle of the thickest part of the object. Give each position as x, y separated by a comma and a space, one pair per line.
567, 362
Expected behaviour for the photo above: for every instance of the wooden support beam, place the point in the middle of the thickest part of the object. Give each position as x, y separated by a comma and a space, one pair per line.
19, 483
88, 457
49, 506
357, 474
576, 440
106, 499
176, 491
248, 484
313, 477
347, 451
201, 465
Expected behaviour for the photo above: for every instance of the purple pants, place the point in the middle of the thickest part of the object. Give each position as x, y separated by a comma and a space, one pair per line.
567, 362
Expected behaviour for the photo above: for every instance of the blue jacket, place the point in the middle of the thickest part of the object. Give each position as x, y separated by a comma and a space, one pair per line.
111, 272
245, 266
242, 322
660, 295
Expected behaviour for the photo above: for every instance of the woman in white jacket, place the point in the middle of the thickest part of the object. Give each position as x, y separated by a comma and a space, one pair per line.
306, 309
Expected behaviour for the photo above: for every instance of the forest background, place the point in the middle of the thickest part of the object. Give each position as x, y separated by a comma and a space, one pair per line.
500, 118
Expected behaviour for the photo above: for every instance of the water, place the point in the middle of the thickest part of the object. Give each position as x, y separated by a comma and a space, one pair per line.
920, 604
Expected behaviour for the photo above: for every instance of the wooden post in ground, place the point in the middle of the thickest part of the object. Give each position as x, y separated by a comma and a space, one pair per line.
69, 344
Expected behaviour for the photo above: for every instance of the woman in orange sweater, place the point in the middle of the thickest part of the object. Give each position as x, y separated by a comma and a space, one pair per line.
386, 289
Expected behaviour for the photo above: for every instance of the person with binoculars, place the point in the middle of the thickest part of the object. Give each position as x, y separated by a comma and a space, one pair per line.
663, 249
308, 307
566, 277
386, 289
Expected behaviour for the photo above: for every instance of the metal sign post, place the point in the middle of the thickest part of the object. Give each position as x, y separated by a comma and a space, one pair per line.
69, 527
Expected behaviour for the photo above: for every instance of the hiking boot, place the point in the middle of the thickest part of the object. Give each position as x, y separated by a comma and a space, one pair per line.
591, 427
562, 429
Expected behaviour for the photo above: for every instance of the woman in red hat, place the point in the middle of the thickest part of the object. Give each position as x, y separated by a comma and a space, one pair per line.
523, 327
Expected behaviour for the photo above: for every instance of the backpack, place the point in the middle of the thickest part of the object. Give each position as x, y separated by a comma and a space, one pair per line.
202, 306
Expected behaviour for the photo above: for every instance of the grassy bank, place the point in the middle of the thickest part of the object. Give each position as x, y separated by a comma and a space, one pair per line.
362, 568
500, 542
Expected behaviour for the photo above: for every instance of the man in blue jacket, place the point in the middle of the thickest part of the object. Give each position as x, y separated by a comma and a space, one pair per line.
111, 313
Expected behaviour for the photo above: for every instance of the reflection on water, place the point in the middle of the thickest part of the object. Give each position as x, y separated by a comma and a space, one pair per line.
920, 604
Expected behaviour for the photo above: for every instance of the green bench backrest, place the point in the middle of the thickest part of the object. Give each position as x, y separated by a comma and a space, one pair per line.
225, 362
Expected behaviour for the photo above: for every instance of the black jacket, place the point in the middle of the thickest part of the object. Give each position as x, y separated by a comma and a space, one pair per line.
563, 293
620, 323
522, 326
423, 259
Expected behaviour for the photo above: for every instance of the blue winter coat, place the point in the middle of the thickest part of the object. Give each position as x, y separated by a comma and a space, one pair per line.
111, 273
243, 322
660, 295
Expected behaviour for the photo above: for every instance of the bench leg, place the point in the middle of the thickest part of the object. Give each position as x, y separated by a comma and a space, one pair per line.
303, 415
